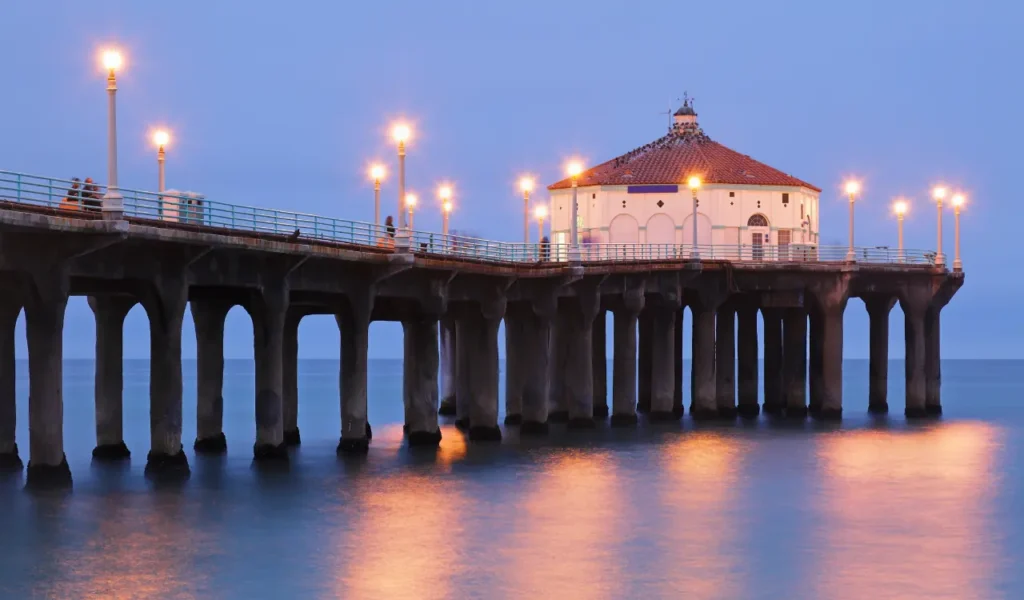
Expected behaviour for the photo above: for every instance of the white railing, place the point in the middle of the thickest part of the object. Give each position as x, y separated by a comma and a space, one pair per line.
185, 210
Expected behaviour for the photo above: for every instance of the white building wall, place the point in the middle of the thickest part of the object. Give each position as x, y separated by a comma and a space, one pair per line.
729, 207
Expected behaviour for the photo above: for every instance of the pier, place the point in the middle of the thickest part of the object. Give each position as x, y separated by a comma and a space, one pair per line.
450, 294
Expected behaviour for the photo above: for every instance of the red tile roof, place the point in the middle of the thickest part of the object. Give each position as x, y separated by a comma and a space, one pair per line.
683, 152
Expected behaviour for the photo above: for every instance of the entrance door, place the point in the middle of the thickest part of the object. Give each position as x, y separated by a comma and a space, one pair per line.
757, 243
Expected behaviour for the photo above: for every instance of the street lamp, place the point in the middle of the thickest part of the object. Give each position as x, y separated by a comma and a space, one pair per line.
694, 184
900, 208
401, 133
410, 203
541, 212
958, 201
573, 169
161, 138
526, 186
852, 189
939, 193
377, 173
113, 202
445, 193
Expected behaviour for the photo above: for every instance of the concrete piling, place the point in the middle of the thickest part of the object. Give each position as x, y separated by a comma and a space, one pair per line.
110, 312
165, 306
830, 299
747, 358
354, 323
9, 458
878, 308
419, 380
725, 361
479, 333
537, 353
463, 373
702, 383
773, 356
577, 317
677, 359
448, 367
290, 377
599, 358
814, 372
645, 325
794, 358
515, 363
624, 359
558, 394
208, 317
269, 315
914, 325
663, 364
932, 361
44, 327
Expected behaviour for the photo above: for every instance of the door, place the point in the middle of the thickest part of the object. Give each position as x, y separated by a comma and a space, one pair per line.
757, 245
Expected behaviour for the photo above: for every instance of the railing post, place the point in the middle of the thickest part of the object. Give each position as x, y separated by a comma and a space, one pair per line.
18, 183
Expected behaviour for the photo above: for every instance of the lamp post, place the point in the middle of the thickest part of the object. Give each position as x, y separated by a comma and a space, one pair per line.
958, 201
400, 133
526, 186
541, 212
939, 194
113, 202
694, 184
161, 138
574, 169
900, 208
852, 189
377, 173
445, 193
410, 203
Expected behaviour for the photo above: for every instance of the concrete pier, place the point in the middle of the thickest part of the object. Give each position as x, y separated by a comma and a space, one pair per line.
515, 362
448, 367
624, 359
208, 317
9, 458
725, 361
269, 315
814, 373
645, 328
290, 377
419, 380
537, 352
830, 299
165, 305
44, 327
915, 308
746, 317
794, 358
703, 366
878, 308
773, 356
354, 323
109, 313
932, 360
576, 317
663, 363
478, 333
599, 357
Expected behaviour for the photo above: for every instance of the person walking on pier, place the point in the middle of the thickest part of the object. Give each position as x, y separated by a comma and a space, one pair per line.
388, 240
72, 200
545, 249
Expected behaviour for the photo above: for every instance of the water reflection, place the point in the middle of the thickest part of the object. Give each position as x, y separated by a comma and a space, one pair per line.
138, 549
405, 539
907, 514
698, 547
568, 527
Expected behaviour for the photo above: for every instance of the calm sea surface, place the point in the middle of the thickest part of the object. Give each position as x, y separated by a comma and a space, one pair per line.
869, 509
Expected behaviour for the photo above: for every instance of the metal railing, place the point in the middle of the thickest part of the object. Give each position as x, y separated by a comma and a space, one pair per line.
193, 211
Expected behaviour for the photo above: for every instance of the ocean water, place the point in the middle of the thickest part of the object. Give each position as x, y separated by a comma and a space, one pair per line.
869, 508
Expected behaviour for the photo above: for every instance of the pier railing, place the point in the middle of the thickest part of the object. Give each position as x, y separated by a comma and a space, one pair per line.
178, 209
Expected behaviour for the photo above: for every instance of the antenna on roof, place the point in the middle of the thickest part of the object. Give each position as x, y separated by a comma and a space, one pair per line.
668, 113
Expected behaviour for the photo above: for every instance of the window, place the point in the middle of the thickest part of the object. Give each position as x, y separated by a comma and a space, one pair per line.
785, 198
801, 211
757, 220
732, 194
593, 196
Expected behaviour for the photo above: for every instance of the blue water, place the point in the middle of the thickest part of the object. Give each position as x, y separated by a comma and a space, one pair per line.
869, 509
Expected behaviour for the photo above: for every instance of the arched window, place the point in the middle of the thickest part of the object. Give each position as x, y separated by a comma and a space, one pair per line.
757, 220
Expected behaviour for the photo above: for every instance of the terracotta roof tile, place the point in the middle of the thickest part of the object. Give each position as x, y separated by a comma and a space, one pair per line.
683, 152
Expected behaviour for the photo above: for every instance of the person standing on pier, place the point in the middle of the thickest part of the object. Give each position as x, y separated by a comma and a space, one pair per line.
72, 200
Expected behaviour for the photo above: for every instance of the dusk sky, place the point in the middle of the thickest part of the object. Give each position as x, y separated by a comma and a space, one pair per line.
285, 104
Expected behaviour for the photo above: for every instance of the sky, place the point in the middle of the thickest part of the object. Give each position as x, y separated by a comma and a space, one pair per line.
284, 105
